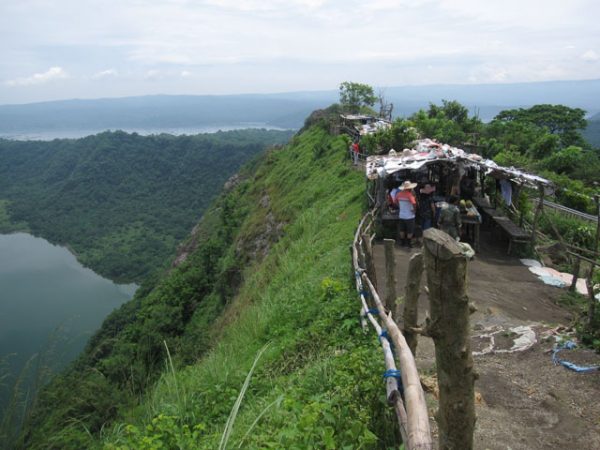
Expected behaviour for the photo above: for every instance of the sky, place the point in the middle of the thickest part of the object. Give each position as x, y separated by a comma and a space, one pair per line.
63, 49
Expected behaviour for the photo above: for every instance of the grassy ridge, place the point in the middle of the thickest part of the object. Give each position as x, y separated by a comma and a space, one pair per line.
318, 382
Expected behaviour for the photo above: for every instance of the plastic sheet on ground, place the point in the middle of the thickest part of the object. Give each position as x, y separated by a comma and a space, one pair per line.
524, 339
553, 277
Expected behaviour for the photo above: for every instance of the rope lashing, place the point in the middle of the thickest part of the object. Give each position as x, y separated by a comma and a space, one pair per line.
370, 311
365, 293
384, 334
397, 374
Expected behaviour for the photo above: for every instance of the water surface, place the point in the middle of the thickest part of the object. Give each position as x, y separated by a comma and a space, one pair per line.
49, 304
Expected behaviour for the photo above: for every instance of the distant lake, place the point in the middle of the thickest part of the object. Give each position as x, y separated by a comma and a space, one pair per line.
49, 135
49, 304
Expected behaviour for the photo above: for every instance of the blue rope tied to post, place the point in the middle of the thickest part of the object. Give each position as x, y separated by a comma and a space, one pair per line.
384, 334
364, 293
371, 311
397, 374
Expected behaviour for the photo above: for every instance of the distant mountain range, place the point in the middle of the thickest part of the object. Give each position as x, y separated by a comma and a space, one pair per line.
285, 110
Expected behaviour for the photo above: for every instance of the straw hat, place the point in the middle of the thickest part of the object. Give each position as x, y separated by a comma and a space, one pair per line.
407, 185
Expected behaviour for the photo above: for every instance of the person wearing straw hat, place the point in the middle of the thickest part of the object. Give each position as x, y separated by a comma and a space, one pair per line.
407, 207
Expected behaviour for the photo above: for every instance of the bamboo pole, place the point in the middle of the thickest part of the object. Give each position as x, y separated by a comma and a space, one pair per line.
391, 384
411, 300
392, 394
390, 275
450, 329
419, 434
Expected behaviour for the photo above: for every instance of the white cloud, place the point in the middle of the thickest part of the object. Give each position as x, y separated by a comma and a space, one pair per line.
108, 73
590, 56
54, 73
186, 74
152, 74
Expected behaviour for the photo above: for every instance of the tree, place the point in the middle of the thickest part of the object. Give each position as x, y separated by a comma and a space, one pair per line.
353, 96
556, 119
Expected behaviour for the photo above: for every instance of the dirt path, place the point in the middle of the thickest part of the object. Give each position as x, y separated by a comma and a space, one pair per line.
525, 402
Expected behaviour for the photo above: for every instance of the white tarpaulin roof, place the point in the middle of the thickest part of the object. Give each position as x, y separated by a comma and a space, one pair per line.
427, 151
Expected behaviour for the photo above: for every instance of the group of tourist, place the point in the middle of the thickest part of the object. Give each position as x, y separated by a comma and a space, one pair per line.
410, 206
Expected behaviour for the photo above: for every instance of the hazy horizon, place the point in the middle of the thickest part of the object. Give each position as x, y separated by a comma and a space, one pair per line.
68, 49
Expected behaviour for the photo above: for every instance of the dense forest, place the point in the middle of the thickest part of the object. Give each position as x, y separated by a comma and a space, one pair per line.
122, 202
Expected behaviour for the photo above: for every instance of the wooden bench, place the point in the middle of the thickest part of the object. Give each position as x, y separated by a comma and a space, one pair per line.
515, 233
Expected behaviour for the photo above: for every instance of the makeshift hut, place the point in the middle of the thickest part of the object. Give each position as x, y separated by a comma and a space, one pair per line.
358, 125
452, 170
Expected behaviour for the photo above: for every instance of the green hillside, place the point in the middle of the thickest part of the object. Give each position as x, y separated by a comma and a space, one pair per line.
122, 202
267, 268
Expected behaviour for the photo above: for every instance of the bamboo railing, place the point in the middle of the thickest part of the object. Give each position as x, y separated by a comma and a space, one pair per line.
403, 387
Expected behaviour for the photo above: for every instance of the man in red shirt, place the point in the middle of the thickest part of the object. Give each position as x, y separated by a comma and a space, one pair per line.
407, 207
355, 152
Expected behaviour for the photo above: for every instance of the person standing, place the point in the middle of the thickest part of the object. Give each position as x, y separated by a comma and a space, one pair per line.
426, 206
407, 207
355, 152
449, 221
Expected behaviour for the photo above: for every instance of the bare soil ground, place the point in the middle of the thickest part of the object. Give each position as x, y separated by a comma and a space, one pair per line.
524, 401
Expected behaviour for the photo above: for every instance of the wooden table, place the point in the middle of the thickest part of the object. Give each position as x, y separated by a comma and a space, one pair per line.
515, 233
473, 222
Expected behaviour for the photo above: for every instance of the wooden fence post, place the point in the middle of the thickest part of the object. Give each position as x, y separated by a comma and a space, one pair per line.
390, 277
446, 268
411, 300
369, 265
536, 216
591, 298
576, 268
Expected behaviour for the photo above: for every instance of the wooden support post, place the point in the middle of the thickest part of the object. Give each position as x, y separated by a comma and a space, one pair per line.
538, 212
592, 300
449, 327
368, 251
390, 276
576, 268
411, 300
